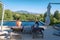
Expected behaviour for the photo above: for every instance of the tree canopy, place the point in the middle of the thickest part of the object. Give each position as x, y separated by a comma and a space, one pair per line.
0, 11
57, 14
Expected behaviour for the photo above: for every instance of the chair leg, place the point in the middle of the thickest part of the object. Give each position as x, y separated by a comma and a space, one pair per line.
42, 34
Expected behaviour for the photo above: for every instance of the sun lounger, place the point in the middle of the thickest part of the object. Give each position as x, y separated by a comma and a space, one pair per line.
17, 29
37, 31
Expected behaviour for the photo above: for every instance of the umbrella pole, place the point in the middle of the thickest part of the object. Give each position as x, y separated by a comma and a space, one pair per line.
2, 17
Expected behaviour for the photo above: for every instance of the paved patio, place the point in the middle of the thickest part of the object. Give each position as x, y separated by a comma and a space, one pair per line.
48, 35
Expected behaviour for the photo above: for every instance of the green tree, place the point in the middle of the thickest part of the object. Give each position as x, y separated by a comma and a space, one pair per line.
51, 19
45, 14
56, 15
8, 15
0, 11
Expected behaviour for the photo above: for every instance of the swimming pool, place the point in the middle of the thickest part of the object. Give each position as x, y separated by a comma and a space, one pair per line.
24, 23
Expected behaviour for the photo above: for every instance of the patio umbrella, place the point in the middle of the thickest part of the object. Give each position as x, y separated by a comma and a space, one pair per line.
47, 18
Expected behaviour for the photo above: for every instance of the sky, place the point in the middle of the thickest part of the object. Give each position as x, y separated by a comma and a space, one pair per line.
35, 6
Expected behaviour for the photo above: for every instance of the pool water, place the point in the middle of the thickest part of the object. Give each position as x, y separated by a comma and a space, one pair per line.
24, 23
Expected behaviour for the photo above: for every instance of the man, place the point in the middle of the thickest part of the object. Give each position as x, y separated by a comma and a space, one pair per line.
36, 26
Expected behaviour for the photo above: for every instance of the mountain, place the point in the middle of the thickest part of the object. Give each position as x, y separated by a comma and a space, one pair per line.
26, 12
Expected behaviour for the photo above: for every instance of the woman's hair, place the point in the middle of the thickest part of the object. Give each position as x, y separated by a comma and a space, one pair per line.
17, 18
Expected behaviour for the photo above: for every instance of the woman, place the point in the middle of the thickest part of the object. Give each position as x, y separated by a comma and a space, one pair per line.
18, 26
18, 23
